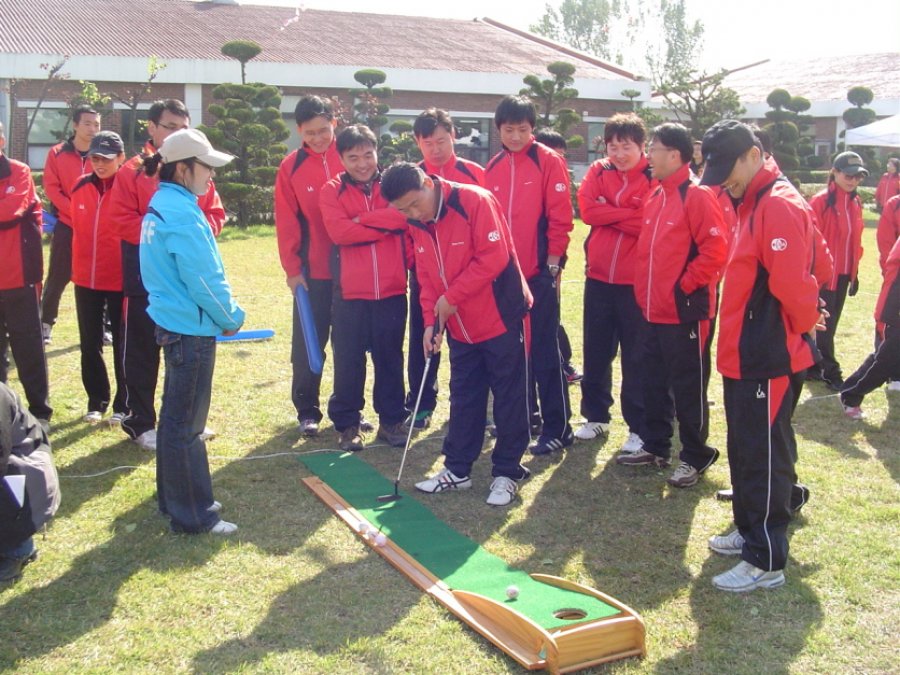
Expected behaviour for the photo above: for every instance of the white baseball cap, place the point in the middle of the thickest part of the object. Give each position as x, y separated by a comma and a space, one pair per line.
192, 143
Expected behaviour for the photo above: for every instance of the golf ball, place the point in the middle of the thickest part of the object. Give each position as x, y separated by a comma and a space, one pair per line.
512, 592
362, 528
380, 539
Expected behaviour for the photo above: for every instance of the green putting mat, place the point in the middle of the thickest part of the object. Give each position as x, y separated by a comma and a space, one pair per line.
457, 560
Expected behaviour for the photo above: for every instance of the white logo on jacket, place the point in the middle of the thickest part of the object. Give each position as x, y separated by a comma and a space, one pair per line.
779, 244
560, 187
494, 236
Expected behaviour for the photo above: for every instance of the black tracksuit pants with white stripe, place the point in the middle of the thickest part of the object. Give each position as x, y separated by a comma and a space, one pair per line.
20, 319
545, 360
880, 366
140, 356
498, 364
762, 452
675, 376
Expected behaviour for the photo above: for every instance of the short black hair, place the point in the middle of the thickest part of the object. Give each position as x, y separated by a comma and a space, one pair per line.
429, 120
677, 137
400, 179
625, 127
552, 139
515, 110
763, 138
354, 136
173, 105
309, 107
82, 110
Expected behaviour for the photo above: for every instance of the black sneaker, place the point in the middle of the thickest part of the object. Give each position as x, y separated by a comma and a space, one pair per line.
309, 427
799, 497
547, 444
537, 425
11, 568
835, 383
572, 373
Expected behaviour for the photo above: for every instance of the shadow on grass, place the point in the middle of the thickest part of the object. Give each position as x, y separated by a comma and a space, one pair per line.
777, 621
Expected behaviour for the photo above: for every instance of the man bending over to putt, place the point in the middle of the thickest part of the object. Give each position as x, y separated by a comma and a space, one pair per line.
471, 283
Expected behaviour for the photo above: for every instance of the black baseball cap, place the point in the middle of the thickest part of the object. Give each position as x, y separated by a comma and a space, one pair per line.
106, 144
723, 143
850, 163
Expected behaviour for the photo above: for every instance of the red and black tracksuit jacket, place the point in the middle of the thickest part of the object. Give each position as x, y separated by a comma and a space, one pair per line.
64, 166
888, 229
96, 246
769, 295
888, 186
370, 253
611, 203
532, 186
839, 218
887, 309
681, 251
303, 242
21, 257
457, 170
466, 256
129, 199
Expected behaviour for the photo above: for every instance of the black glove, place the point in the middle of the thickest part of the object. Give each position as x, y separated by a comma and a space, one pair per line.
854, 288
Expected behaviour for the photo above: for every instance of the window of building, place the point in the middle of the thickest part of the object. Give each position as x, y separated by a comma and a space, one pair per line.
473, 138
49, 128
594, 140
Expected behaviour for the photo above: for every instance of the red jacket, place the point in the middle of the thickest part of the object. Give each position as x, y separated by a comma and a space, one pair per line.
532, 186
888, 229
611, 202
887, 309
888, 186
369, 237
466, 256
458, 170
839, 219
681, 251
129, 199
64, 166
303, 243
770, 299
96, 246
21, 256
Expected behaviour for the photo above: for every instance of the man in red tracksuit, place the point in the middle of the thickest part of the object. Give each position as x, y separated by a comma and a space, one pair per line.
680, 254
435, 135
531, 183
129, 198
611, 201
471, 283
369, 310
66, 163
21, 269
303, 243
769, 310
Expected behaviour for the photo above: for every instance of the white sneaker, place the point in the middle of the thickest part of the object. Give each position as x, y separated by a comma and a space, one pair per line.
223, 527
590, 430
727, 544
503, 491
147, 440
745, 577
893, 385
115, 420
632, 445
207, 434
93, 417
443, 481
215, 507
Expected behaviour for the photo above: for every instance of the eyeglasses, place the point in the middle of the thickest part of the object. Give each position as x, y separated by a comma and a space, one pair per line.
173, 127
204, 164
856, 177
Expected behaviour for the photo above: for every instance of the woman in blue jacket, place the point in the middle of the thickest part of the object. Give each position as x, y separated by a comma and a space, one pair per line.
191, 303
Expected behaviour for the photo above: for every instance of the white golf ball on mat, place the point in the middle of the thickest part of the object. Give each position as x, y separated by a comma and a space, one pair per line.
512, 592
380, 539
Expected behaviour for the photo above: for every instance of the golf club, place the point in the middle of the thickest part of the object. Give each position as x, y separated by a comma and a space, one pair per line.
412, 419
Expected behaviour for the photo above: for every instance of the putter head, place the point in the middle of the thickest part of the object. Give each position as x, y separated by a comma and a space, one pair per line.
389, 498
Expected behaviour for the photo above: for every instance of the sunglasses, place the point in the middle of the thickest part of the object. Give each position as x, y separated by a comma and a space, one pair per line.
856, 176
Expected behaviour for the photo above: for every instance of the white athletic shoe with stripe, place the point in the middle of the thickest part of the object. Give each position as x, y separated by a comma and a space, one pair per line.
443, 481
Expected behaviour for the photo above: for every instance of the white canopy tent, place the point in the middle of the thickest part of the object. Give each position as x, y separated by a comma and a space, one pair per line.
884, 132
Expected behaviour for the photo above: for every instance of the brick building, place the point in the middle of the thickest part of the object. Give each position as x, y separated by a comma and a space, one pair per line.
464, 66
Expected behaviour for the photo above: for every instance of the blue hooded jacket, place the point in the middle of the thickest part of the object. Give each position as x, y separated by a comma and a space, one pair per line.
182, 269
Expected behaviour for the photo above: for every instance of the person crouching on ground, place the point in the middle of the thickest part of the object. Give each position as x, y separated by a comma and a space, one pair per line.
471, 283
97, 275
191, 303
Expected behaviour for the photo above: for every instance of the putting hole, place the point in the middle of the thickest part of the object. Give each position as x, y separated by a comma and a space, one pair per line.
570, 614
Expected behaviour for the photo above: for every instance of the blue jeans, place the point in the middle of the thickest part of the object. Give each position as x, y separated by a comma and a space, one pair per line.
183, 483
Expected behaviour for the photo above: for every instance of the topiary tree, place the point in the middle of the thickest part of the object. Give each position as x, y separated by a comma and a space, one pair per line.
783, 130
243, 51
369, 108
550, 95
399, 145
859, 116
249, 125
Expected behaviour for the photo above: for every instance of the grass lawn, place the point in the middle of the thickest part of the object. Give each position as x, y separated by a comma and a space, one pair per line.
296, 591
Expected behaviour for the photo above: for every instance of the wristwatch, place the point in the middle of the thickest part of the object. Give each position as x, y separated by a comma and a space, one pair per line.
553, 269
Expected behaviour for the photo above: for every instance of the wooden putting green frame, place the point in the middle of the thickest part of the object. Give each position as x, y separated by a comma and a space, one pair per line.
562, 650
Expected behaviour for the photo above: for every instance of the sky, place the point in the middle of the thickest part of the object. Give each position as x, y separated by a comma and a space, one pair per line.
736, 33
